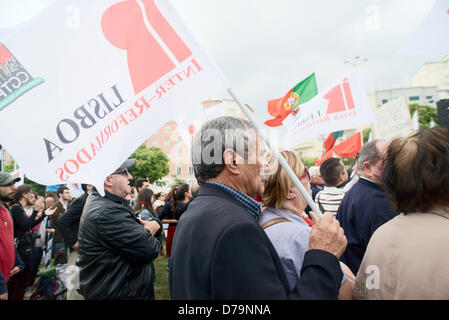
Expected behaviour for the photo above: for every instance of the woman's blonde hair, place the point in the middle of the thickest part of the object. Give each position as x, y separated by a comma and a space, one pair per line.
278, 183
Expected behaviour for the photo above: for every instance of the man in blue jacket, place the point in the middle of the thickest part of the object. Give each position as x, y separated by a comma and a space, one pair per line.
365, 207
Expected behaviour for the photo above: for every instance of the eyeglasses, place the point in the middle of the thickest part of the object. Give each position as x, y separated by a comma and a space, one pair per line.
305, 174
123, 172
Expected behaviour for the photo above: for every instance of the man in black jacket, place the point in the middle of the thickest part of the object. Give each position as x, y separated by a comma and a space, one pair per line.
116, 250
219, 250
69, 222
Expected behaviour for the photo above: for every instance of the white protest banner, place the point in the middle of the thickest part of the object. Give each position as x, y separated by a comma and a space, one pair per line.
19, 174
344, 105
393, 120
75, 190
88, 89
432, 34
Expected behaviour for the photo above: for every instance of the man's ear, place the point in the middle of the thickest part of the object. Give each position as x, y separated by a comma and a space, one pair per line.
230, 161
366, 166
108, 181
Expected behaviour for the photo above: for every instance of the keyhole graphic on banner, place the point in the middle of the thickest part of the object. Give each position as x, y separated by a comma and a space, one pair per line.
153, 46
340, 98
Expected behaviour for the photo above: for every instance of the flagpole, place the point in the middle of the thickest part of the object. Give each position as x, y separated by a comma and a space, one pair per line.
281, 160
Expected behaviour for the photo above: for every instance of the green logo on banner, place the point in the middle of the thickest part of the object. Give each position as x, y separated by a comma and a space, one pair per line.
14, 79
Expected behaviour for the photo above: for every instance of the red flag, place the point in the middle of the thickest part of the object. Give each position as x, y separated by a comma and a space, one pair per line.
350, 147
346, 149
329, 142
275, 110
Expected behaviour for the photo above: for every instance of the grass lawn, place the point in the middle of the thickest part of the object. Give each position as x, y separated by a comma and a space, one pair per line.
161, 290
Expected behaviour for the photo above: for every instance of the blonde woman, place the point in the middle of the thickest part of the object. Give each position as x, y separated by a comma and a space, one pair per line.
283, 221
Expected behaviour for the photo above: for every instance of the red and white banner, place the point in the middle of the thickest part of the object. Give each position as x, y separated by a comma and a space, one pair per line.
88, 85
343, 106
19, 174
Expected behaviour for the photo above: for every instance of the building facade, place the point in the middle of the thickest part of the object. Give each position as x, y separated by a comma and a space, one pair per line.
170, 140
420, 95
434, 74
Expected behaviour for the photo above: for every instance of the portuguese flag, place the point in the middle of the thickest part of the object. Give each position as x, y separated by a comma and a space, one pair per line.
299, 94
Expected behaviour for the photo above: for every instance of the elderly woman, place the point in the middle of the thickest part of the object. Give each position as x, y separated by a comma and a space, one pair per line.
407, 257
283, 221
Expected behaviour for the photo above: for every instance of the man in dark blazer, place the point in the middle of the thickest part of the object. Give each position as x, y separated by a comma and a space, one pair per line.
69, 222
365, 207
68, 225
219, 250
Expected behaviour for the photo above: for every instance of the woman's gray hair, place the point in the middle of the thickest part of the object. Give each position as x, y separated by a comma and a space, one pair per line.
213, 139
369, 153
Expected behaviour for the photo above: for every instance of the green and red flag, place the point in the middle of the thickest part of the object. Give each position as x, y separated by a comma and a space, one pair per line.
330, 140
299, 94
347, 149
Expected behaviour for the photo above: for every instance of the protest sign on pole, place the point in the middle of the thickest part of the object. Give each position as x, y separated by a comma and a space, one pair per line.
87, 92
344, 105
393, 120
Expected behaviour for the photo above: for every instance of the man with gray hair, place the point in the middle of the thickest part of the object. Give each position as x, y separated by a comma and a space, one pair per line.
365, 207
219, 250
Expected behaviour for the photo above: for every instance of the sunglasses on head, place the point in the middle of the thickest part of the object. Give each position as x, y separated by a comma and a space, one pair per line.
305, 174
122, 172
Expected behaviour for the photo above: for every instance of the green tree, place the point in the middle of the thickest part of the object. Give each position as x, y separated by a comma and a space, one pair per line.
365, 134
177, 180
9, 167
307, 161
150, 162
348, 161
425, 114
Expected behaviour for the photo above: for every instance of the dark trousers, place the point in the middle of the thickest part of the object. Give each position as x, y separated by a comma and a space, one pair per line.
36, 254
17, 283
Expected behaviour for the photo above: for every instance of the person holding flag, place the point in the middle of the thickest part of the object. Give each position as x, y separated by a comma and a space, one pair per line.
223, 253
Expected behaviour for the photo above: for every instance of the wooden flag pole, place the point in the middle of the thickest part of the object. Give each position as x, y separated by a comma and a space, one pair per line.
281, 160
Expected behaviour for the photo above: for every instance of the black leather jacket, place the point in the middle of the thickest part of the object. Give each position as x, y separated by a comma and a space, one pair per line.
115, 251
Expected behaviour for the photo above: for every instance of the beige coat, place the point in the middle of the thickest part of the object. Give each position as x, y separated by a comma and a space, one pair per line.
407, 258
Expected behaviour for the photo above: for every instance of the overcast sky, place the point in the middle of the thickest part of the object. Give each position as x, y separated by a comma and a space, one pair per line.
265, 47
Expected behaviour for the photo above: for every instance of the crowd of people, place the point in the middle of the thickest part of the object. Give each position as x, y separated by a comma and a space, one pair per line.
244, 231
